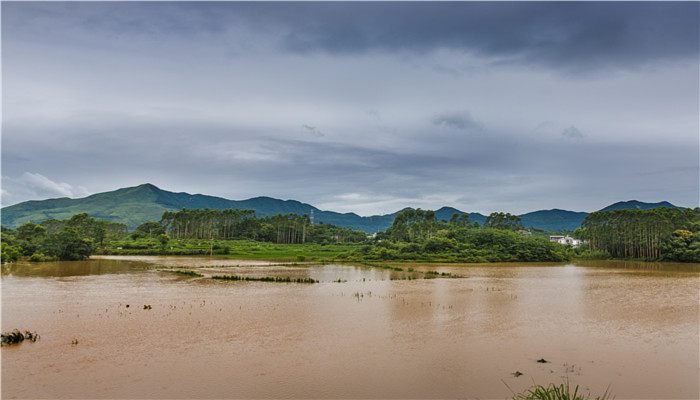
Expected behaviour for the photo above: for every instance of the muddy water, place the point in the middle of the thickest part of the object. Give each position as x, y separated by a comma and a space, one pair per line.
630, 327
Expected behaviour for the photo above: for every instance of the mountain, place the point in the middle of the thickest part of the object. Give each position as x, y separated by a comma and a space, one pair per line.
135, 205
445, 213
554, 220
639, 205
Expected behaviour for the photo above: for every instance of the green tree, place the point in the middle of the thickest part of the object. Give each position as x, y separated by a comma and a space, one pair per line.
68, 244
148, 229
501, 220
9, 253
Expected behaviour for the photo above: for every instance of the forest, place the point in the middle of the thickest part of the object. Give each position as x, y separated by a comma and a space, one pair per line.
656, 234
415, 235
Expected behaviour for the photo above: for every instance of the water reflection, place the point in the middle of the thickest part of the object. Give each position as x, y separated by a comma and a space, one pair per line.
72, 268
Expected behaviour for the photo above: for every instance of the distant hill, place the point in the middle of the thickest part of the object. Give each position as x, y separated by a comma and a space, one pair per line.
554, 220
135, 205
638, 205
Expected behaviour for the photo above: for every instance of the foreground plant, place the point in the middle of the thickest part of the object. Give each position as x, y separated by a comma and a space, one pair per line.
16, 337
557, 392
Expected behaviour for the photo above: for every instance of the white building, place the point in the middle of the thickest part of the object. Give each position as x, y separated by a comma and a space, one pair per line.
565, 240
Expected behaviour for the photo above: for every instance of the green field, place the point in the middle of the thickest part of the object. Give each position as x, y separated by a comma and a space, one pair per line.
244, 249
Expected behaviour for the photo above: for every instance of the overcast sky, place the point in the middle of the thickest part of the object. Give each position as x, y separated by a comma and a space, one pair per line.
365, 107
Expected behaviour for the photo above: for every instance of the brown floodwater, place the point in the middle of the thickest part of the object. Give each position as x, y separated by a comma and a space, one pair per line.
629, 327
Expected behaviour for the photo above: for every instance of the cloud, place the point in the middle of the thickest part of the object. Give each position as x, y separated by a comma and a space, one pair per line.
230, 99
569, 36
313, 130
462, 121
573, 132
32, 186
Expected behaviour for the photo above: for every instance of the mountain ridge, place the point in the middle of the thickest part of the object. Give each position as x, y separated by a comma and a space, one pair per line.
136, 204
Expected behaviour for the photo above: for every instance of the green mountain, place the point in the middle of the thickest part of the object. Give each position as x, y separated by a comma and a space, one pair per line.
554, 220
635, 204
135, 205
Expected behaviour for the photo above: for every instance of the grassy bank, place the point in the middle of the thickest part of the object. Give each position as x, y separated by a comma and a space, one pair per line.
474, 246
243, 249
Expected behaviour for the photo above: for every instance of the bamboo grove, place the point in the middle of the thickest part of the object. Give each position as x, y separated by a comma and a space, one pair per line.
231, 224
655, 234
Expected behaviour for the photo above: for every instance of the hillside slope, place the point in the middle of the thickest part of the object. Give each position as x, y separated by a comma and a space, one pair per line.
135, 205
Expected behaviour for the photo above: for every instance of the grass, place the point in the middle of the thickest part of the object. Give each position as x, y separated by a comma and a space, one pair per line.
276, 279
436, 274
15, 337
562, 391
237, 249
182, 272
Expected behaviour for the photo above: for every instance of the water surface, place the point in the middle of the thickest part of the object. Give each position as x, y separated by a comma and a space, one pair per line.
630, 326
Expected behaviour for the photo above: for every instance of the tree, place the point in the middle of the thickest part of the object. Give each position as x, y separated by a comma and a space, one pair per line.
67, 245
9, 253
654, 234
148, 229
460, 219
29, 237
500, 220
413, 225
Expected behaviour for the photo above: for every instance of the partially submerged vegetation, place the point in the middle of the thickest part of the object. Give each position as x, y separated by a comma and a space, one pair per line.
184, 272
16, 337
275, 279
563, 391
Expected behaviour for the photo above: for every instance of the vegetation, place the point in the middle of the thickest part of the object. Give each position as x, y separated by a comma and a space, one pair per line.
276, 279
73, 239
500, 220
556, 392
671, 234
183, 272
16, 337
418, 235
241, 249
415, 235
234, 224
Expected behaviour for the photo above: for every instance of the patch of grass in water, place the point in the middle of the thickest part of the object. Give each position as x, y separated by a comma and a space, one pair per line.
182, 272
15, 337
563, 391
275, 279
436, 274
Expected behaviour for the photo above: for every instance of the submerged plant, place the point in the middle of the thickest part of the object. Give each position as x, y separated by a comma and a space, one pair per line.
563, 391
183, 272
16, 336
278, 279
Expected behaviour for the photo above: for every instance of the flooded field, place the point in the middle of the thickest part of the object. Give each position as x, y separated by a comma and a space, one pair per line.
359, 332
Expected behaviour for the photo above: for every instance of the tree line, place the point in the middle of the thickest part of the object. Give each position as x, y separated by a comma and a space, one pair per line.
415, 234
72, 239
654, 234
80, 236
234, 224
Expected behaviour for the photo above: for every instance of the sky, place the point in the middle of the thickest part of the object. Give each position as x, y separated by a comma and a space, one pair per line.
363, 107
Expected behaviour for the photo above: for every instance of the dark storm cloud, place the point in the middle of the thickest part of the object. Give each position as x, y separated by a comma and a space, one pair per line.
573, 36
